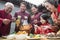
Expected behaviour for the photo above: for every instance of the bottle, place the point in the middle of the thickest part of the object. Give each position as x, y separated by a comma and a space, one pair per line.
25, 22
18, 21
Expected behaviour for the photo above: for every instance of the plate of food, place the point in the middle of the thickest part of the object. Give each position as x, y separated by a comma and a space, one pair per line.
33, 37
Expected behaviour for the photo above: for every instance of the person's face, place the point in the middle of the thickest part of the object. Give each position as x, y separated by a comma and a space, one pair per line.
34, 10
42, 20
23, 7
49, 7
8, 9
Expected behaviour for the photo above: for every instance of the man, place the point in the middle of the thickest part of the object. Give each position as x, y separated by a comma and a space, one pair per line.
22, 13
5, 19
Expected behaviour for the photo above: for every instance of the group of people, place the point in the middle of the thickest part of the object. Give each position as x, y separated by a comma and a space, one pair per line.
41, 22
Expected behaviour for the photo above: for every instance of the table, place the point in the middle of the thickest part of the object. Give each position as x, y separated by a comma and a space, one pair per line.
40, 39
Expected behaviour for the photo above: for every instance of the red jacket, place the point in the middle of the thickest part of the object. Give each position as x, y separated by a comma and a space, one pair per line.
44, 29
55, 14
58, 8
4, 29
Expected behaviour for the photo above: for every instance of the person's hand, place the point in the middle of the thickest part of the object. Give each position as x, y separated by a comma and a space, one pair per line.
35, 21
52, 34
55, 21
58, 21
13, 19
6, 21
55, 28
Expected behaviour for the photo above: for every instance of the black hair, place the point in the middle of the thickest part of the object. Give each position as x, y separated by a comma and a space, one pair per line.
45, 16
53, 2
41, 8
34, 6
23, 3
59, 1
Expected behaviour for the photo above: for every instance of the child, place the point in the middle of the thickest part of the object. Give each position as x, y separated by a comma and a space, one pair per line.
45, 27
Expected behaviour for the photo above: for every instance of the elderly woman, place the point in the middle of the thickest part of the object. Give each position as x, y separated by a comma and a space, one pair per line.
5, 19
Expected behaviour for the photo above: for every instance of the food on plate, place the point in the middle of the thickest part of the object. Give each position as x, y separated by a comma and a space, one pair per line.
10, 37
58, 34
16, 37
21, 32
51, 34
25, 27
36, 36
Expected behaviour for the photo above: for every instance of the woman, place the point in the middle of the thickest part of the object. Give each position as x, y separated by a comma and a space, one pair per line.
42, 8
45, 26
35, 20
52, 6
5, 19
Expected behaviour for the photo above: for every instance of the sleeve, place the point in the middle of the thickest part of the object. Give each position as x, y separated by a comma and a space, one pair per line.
1, 16
29, 19
15, 15
1, 19
10, 18
58, 8
38, 31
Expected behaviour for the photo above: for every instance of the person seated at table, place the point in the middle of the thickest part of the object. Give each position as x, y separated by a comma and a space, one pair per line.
53, 7
35, 20
5, 19
45, 26
23, 15
43, 10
